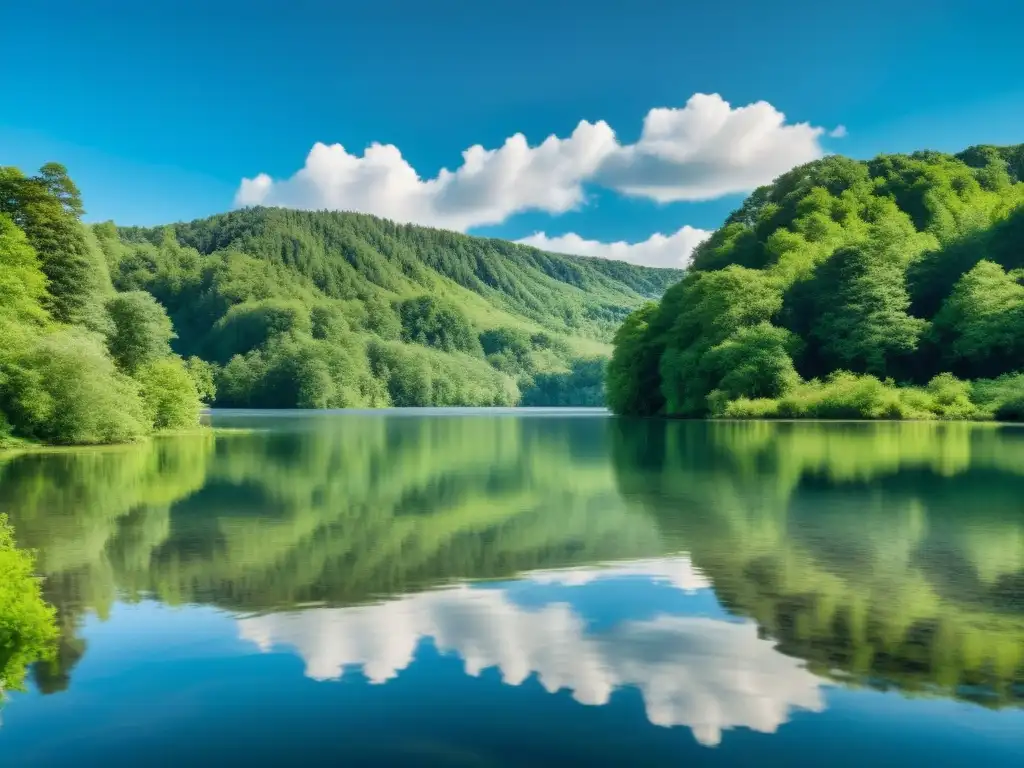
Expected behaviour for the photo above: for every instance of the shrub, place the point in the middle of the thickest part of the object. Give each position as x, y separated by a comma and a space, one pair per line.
169, 394
63, 388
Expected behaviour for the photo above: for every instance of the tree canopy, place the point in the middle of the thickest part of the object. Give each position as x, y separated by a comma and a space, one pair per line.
846, 289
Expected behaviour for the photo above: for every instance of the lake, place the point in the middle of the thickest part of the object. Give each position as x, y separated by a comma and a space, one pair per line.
518, 588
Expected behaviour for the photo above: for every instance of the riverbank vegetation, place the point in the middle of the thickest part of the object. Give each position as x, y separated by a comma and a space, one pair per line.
882, 289
80, 362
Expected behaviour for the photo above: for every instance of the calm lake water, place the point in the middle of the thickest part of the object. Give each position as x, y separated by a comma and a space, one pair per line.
521, 588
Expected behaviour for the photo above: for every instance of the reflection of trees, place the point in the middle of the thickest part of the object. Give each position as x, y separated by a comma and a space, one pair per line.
890, 554
330, 509
885, 553
27, 628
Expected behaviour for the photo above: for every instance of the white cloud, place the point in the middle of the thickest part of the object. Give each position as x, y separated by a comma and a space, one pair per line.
700, 151
709, 675
839, 132
656, 251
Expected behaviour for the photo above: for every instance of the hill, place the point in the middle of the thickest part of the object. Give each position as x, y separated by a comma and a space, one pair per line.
887, 288
324, 309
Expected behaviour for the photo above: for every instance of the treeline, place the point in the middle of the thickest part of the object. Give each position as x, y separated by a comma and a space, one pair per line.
80, 362
890, 288
293, 309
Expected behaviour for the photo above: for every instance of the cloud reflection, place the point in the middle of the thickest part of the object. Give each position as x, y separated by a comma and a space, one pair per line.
707, 674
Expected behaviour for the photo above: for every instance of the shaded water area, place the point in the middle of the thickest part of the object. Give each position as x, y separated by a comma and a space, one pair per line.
527, 588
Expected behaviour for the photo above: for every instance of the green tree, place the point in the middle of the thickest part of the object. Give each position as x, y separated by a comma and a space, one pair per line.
47, 208
22, 282
169, 395
63, 388
437, 323
862, 321
633, 377
981, 325
141, 331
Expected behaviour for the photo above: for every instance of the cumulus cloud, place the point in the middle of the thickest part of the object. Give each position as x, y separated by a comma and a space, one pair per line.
700, 151
839, 132
658, 250
709, 675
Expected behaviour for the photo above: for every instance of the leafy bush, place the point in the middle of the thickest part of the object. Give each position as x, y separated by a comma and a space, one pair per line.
169, 394
64, 389
141, 331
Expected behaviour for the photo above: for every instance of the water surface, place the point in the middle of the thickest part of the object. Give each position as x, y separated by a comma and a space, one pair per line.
523, 588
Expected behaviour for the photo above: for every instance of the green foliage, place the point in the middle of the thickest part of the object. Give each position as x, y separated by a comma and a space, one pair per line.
59, 382
633, 375
204, 378
416, 376
712, 306
861, 321
141, 332
47, 208
22, 282
436, 323
268, 294
755, 361
169, 395
980, 327
63, 388
27, 626
837, 278
581, 385
252, 324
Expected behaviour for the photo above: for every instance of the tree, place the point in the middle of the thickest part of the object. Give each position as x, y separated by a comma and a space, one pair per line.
633, 378
204, 377
437, 323
47, 208
141, 333
22, 282
753, 362
169, 396
862, 323
705, 309
980, 327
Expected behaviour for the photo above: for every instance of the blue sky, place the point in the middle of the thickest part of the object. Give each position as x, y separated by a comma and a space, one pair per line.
161, 109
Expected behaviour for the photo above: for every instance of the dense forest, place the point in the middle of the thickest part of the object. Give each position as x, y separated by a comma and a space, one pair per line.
80, 361
295, 309
888, 288
109, 334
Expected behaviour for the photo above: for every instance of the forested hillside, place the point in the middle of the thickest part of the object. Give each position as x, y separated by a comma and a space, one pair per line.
888, 288
79, 361
331, 310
